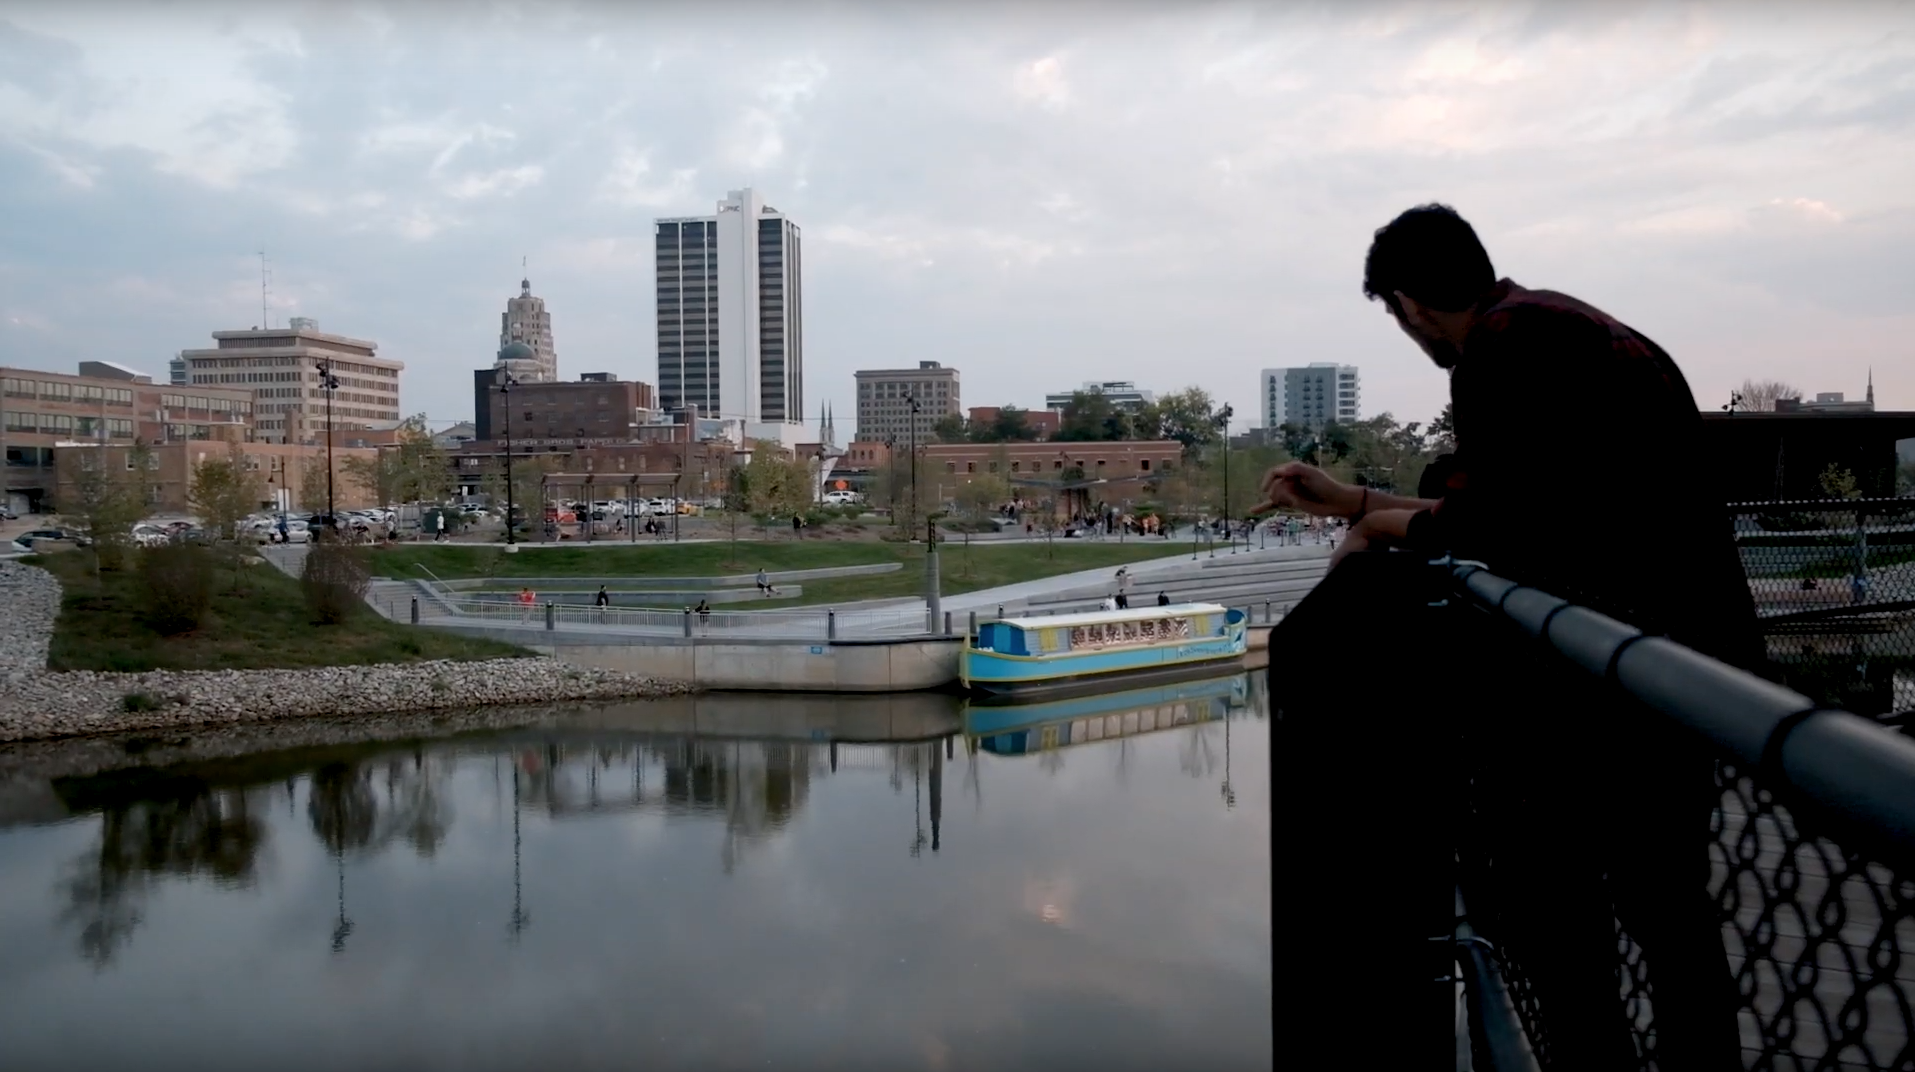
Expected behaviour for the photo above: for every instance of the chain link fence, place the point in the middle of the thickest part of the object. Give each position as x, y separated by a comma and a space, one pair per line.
1834, 586
1817, 920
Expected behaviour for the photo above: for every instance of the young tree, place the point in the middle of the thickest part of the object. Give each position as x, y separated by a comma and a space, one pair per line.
1012, 425
1760, 396
411, 470
1189, 417
950, 428
224, 491
105, 498
312, 485
776, 484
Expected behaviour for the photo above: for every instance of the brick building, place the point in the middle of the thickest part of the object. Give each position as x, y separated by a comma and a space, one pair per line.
594, 407
280, 366
106, 403
170, 470
1045, 422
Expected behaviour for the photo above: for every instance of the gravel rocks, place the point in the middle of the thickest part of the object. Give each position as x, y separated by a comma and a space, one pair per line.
36, 704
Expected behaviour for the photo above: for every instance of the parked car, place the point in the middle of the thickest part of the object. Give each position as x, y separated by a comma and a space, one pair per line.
7, 514
150, 536
298, 531
28, 539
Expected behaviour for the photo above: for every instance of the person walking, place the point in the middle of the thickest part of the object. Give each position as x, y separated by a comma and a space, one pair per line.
1109, 603
439, 523
704, 614
1163, 599
527, 600
601, 601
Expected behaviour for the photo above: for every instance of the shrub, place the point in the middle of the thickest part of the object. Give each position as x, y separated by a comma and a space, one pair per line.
177, 581
334, 581
139, 701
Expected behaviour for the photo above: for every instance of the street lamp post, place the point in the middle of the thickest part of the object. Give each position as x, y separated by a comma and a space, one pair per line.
506, 384
329, 383
912, 401
1229, 524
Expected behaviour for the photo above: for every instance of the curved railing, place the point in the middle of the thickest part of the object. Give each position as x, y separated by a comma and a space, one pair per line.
1812, 851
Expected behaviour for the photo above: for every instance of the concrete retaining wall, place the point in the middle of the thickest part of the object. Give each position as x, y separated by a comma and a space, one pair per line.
905, 665
649, 583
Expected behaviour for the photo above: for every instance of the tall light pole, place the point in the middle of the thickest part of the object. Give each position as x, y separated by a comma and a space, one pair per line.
1230, 528
912, 401
506, 383
329, 383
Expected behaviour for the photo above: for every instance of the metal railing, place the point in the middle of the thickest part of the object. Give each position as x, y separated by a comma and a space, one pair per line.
809, 623
1834, 585
1811, 849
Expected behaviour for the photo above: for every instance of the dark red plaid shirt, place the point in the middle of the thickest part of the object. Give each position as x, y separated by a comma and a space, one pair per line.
1580, 469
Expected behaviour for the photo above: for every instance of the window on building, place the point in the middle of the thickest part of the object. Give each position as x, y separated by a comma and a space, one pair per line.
970, 467
950, 467
1144, 465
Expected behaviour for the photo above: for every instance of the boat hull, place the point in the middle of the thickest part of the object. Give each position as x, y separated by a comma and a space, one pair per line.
1003, 676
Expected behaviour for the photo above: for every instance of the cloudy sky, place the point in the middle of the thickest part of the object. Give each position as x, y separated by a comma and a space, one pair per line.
1037, 195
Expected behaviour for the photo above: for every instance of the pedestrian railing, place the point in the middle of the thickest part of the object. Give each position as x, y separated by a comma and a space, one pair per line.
1811, 849
808, 623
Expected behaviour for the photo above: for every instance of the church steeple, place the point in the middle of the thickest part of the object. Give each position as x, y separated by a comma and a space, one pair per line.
1871, 387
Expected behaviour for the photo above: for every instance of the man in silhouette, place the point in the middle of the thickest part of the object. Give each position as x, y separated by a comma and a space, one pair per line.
1587, 811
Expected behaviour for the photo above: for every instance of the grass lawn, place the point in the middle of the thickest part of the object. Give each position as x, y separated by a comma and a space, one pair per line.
264, 625
983, 565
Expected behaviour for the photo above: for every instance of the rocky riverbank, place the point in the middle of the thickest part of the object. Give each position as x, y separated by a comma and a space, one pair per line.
38, 704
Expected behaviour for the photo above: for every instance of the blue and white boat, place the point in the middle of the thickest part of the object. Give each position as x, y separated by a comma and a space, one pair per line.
1017, 656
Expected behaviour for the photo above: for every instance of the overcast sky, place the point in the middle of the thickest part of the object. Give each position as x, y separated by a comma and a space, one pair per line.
1036, 195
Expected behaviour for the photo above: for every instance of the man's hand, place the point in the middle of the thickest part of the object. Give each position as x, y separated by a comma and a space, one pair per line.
1311, 490
1377, 530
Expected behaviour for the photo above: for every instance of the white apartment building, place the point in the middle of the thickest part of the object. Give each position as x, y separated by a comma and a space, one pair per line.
1311, 395
525, 320
885, 398
730, 300
281, 367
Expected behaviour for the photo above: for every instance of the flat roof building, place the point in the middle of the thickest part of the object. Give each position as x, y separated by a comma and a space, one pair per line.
1310, 396
730, 301
886, 396
280, 366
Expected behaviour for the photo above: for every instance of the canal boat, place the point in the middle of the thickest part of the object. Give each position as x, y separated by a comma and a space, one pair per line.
1010, 730
1070, 652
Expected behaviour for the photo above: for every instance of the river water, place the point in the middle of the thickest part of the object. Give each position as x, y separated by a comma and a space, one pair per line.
705, 883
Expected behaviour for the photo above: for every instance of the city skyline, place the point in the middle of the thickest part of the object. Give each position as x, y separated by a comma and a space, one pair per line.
1007, 199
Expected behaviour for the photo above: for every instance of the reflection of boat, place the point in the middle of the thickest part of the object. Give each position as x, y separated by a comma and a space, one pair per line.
1016, 729
1073, 651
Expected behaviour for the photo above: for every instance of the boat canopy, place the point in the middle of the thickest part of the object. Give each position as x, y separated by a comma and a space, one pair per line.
1134, 614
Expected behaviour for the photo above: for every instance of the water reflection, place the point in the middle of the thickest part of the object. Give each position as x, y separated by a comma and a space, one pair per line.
750, 896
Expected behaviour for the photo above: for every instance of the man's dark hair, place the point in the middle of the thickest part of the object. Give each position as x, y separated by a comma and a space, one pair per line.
1430, 254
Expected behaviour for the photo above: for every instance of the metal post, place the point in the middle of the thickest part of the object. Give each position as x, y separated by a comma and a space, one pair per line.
688, 621
1266, 612
551, 616
505, 393
328, 383
1858, 587
947, 623
831, 625
1000, 612
973, 627
932, 600
415, 610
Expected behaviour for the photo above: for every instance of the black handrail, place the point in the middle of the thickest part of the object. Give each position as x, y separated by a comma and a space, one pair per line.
1852, 770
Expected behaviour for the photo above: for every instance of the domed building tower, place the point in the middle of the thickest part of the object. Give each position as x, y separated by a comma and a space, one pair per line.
525, 325
521, 362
